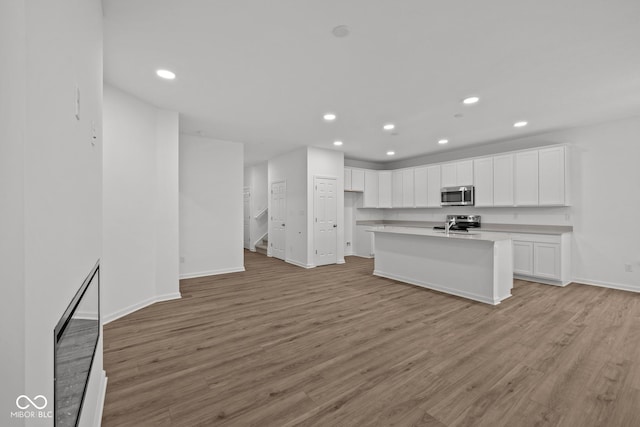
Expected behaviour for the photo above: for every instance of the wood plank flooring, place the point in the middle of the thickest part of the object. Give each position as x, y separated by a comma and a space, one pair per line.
279, 345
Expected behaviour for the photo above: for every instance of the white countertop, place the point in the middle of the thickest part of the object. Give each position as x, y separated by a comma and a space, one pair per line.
501, 228
428, 232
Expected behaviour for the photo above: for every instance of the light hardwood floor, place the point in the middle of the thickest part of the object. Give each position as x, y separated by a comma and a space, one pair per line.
278, 345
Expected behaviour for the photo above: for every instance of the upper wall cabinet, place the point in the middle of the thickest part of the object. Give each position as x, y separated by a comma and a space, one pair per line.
370, 198
396, 189
552, 177
526, 181
483, 181
503, 180
538, 177
353, 179
347, 179
457, 173
384, 189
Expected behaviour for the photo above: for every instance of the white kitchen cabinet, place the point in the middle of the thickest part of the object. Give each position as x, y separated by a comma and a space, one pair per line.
420, 187
371, 192
542, 258
357, 180
396, 189
551, 171
464, 172
347, 179
384, 189
483, 181
433, 186
503, 180
546, 260
407, 188
523, 257
449, 175
526, 181
457, 173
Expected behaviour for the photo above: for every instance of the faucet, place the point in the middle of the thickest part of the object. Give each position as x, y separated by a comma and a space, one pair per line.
451, 221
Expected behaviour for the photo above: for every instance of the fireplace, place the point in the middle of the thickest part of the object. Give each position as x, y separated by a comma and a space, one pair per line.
75, 340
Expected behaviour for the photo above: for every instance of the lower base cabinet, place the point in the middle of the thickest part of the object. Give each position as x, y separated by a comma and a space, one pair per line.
545, 258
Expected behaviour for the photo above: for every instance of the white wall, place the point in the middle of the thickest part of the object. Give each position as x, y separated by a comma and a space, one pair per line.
325, 164
12, 220
140, 250
211, 206
604, 206
292, 168
256, 178
50, 184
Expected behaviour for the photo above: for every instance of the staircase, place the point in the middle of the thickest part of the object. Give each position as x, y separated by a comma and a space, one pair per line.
261, 247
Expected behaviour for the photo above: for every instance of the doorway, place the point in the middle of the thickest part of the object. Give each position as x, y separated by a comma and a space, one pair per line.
277, 236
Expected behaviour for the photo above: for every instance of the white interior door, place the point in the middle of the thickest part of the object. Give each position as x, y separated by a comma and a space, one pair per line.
325, 224
277, 235
247, 218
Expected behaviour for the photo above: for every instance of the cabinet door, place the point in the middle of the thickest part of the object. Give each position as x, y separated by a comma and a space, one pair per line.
523, 257
370, 197
347, 179
433, 186
407, 188
483, 181
449, 175
551, 176
503, 180
527, 178
396, 189
357, 180
464, 172
546, 260
420, 187
384, 189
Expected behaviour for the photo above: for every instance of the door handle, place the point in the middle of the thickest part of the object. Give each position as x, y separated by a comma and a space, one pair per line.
335, 225
283, 225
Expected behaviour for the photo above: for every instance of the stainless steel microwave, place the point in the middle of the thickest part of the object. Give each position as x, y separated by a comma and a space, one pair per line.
462, 195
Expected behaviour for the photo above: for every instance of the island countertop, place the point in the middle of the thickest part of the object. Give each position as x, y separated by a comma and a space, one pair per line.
429, 232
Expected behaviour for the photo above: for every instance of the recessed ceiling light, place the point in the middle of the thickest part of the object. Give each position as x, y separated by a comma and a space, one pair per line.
391, 153
520, 124
470, 100
337, 143
443, 141
329, 117
389, 126
166, 74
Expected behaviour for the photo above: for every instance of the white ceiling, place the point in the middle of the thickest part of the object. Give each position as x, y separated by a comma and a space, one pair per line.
264, 72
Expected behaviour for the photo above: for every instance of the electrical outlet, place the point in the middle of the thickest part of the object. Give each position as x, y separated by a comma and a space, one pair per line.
181, 260
628, 268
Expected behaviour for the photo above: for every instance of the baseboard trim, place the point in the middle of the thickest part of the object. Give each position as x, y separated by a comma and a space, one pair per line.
609, 285
440, 288
340, 261
540, 280
299, 264
211, 272
97, 422
139, 305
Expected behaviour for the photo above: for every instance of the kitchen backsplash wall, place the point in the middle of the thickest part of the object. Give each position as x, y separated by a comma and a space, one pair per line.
541, 216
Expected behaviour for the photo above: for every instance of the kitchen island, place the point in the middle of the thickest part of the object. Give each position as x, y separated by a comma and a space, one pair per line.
474, 265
